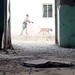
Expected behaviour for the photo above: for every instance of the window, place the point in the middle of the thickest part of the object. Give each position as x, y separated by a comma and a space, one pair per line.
47, 10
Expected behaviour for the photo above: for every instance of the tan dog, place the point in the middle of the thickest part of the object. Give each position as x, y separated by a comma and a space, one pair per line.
45, 30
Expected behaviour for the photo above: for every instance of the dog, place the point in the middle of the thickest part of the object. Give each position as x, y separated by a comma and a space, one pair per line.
45, 30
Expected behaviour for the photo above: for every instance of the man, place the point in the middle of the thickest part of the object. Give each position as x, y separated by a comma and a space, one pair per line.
25, 24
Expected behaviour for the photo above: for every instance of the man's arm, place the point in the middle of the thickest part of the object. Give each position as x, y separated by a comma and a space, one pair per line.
30, 21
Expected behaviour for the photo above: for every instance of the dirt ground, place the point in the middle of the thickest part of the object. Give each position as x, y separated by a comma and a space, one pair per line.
26, 50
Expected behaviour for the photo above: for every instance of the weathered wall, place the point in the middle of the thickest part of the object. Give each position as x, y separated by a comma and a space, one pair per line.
1, 14
1, 19
67, 23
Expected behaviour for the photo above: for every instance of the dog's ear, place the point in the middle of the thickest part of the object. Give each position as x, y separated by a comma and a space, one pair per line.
51, 29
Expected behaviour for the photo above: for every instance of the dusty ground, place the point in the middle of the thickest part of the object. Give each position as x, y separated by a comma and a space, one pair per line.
25, 50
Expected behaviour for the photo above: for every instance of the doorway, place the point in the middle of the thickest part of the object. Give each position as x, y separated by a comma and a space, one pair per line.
41, 13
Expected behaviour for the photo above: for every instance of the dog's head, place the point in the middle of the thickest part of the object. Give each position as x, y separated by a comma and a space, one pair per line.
51, 29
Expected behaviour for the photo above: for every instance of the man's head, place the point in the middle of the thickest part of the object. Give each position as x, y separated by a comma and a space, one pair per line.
27, 15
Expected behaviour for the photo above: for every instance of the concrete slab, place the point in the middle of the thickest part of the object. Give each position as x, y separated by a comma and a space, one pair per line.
42, 61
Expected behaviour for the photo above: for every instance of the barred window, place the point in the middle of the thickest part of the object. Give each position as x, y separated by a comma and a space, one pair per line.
47, 10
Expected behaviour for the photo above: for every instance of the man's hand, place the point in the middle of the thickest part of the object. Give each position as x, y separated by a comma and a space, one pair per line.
32, 22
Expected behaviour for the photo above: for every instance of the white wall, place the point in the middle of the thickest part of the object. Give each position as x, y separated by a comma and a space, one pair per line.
19, 8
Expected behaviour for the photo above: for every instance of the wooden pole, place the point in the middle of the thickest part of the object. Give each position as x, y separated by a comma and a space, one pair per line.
5, 23
9, 28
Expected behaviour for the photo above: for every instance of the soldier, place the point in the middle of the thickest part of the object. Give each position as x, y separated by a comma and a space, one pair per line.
25, 24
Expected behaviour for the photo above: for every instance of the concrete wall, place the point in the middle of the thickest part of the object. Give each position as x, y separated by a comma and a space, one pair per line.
1, 14
66, 23
1, 21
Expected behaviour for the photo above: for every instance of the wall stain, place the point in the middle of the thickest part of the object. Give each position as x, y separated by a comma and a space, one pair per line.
67, 2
